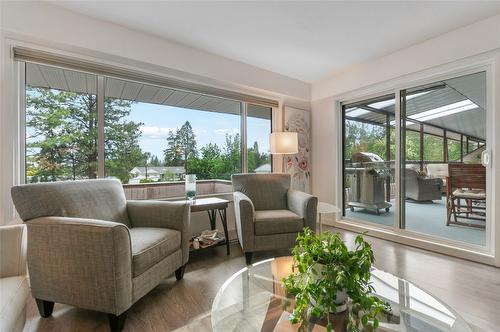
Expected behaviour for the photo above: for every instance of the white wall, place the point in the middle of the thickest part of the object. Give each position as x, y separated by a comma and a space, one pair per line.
480, 37
52, 28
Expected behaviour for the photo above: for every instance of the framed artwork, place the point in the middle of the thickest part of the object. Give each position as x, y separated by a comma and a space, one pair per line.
298, 165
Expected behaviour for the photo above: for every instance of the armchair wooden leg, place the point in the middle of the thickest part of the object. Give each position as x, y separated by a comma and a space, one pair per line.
116, 323
179, 273
45, 308
248, 257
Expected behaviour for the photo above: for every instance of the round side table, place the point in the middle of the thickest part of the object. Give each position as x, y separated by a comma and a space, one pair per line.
324, 208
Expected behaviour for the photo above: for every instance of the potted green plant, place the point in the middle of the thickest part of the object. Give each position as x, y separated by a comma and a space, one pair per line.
327, 276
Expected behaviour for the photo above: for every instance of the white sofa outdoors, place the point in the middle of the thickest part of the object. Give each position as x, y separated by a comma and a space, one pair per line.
14, 287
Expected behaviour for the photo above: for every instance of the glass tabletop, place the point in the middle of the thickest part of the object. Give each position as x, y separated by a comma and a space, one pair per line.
253, 300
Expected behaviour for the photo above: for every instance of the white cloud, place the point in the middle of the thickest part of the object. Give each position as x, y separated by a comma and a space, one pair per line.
155, 132
225, 131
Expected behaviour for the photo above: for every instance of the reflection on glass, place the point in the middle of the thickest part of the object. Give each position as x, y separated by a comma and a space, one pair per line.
253, 300
258, 131
61, 124
445, 184
369, 153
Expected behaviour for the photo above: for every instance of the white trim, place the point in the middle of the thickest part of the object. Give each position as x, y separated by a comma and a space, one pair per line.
101, 157
397, 162
416, 241
22, 120
488, 254
243, 137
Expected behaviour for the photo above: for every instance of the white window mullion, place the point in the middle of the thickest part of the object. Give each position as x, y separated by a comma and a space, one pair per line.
243, 137
100, 127
22, 123
398, 165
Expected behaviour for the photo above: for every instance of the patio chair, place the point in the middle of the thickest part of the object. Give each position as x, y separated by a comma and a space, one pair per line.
91, 248
421, 188
466, 182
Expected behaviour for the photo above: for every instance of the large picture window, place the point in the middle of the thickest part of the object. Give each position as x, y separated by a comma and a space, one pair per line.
61, 124
151, 134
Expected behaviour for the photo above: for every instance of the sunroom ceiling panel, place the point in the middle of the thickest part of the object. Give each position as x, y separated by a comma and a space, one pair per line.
147, 93
471, 122
230, 106
261, 112
67, 80
213, 104
188, 100
113, 88
34, 76
76, 80
55, 78
201, 102
131, 90
472, 86
161, 96
174, 98
91, 83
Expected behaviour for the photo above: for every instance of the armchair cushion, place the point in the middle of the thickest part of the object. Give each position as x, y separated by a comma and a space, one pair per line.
277, 222
267, 191
151, 245
90, 199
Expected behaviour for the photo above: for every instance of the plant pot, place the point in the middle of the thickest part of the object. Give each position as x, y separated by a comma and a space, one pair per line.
341, 297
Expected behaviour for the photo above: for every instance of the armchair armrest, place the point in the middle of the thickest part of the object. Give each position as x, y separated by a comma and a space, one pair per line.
12, 250
161, 214
84, 262
245, 214
304, 205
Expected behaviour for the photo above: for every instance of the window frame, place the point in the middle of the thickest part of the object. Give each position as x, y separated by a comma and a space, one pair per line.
100, 93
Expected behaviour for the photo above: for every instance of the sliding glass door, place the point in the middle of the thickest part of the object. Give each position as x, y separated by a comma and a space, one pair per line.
445, 183
369, 154
442, 161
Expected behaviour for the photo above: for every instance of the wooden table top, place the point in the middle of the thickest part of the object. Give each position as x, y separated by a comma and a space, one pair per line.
209, 203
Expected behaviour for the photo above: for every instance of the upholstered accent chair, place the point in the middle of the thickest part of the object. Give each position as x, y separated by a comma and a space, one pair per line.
269, 214
91, 248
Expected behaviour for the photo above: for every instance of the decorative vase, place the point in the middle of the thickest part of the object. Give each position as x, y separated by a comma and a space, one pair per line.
190, 187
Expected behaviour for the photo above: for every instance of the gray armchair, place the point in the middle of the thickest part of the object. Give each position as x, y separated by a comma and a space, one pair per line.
421, 188
90, 248
269, 215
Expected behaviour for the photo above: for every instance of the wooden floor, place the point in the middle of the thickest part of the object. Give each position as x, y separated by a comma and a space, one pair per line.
470, 288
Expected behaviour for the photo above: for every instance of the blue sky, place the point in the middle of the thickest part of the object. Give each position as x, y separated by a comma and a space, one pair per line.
209, 127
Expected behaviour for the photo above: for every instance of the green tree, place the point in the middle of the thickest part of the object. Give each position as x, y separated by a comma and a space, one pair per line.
62, 136
154, 161
181, 146
232, 155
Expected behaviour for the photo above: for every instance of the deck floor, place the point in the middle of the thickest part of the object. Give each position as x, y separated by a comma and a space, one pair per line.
427, 218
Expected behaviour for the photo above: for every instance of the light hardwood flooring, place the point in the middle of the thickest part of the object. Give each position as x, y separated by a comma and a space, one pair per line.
470, 288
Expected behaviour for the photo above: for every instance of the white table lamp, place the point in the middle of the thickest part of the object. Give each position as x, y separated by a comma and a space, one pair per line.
284, 142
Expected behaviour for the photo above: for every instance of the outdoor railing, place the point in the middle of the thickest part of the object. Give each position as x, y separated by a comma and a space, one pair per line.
170, 190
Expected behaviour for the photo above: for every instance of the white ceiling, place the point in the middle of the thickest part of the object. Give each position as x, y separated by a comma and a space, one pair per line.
303, 40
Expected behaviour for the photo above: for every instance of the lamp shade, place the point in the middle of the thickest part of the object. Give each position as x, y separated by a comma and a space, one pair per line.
284, 143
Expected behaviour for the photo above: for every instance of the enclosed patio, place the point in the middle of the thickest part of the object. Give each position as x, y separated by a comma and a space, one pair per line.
442, 144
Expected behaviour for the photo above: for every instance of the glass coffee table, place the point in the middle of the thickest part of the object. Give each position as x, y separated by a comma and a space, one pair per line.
253, 300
